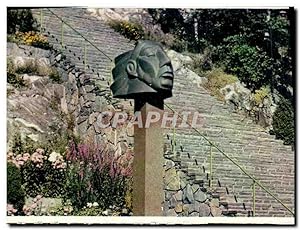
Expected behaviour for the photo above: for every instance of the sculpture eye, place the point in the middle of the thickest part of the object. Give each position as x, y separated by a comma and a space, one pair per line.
149, 52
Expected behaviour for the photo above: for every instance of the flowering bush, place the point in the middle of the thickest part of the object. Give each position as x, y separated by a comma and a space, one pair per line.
89, 178
57, 161
40, 174
32, 38
10, 210
18, 160
96, 174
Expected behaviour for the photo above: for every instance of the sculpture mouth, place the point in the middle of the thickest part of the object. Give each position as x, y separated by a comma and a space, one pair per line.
168, 75
167, 80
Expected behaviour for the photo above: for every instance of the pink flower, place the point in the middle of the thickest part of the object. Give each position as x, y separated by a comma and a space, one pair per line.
40, 151
10, 210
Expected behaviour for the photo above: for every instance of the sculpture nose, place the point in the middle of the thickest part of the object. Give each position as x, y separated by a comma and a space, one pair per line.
164, 59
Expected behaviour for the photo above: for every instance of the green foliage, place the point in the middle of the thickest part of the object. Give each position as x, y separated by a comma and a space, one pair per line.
202, 62
30, 67
130, 30
19, 20
128, 195
62, 210
135, 31
33, 67
85, 211
216, 80
12, 77
247, 62
260, 95
44, 180
253, 44
15, 193
94, 186
284, 122
54, 76
20, 146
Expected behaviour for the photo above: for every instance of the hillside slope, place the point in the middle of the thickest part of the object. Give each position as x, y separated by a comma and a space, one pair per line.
259, 153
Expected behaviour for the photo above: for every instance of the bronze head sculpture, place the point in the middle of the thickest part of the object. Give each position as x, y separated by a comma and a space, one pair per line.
145, 70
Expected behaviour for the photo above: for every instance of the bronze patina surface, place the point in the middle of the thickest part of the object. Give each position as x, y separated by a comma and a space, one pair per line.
144, 70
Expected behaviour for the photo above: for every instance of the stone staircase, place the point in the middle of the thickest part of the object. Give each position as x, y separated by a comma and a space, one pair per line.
259, 153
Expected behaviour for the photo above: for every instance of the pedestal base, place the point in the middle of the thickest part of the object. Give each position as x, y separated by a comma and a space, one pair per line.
148, 164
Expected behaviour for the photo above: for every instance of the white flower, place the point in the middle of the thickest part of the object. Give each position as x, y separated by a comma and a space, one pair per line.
53, 156
89, 205
95, 204
105, 213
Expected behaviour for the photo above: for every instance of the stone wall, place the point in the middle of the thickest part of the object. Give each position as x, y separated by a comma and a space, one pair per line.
78, 102
186, 197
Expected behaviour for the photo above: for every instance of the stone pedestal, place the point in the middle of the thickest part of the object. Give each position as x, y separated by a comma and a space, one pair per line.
148, 162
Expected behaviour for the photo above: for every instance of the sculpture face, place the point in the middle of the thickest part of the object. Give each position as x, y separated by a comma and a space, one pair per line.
154, 67
146, 69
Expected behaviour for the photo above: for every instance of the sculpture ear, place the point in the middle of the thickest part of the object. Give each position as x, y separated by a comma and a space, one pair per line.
131, 68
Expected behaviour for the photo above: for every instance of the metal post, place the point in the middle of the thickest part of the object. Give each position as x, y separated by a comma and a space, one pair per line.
41, 20
253, 197
84, 57
62, 33
210, 168
174, 139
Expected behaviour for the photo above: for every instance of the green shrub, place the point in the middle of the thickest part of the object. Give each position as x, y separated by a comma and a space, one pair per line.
283, 122
19, 20
260, 95
32, 67
130, 30
217, 79
20, 146
12, 77
42, 178
201, 62
89, 211
15, 192
248, 63
54, 76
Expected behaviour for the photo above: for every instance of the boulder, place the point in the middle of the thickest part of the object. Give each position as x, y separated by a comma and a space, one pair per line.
178, 208
171, 212
172, 180
237, 95
200, 196
204, 210
215, 211
188, 196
